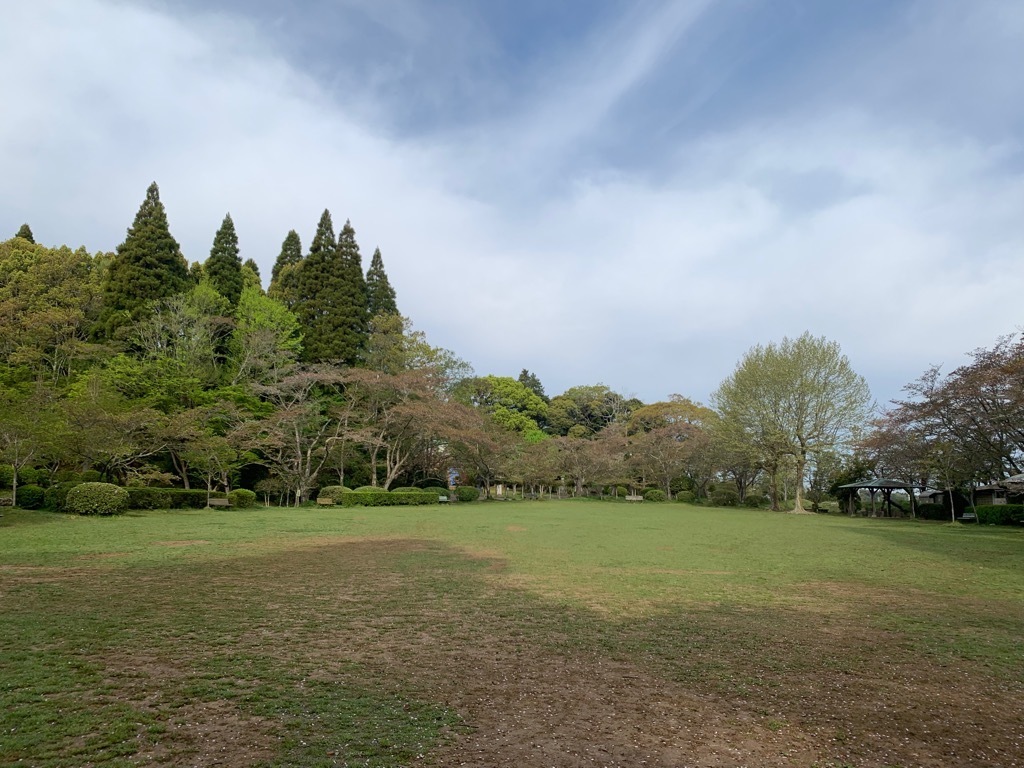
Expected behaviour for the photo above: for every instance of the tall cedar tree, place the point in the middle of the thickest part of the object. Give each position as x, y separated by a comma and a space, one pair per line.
25, 231
284, 277
224, 267
332, 298
148, 265
380, 296
251, 276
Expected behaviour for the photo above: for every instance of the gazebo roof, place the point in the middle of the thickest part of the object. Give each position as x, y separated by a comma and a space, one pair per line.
881, 484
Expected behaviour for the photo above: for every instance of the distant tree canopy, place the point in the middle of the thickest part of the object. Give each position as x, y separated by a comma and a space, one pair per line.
25, 233
380, 296
224, 267
796, 398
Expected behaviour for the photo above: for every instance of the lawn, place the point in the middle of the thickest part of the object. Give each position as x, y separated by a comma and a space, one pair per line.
530, 633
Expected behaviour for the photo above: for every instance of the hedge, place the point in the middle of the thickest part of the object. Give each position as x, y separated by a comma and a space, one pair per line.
380, 498
988, 514
466, 493
407, 490
333, 492
370, 489
97, 499
932, 512
242, 498
31, 496
149, 498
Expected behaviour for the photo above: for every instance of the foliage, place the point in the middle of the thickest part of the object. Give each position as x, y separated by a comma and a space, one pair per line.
369, 488
724, 496
242, 498
532, 383
284, 278
333, 492
1000, 514
25, 233
31, 496
654, 494
381, 498
406, 489
932, 512
6, 475
380, 296
148, 266
797, 398
588, 409
31, 476
56, 496
97, 499
266, 340
150, 498
686, 497
466, 493
752, 500
224, 267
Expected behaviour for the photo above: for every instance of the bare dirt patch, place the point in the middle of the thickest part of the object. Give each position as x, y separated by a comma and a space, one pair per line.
181, 543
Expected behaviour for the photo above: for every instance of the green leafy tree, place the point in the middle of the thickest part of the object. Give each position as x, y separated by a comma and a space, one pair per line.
380, 296
266, 339
251, 275
332, 298
148, 266
797, 398
25, 232
510, 403
224, 267
284, 277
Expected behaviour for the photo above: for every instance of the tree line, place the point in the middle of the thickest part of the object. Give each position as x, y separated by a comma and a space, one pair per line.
152, 371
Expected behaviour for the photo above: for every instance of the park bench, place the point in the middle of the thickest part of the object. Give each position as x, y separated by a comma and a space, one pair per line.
324, 501
442, 499
634, 498
219, 503
968, 517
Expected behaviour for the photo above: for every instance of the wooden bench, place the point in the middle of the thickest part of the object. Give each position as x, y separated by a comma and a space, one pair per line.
323, 501
634, 498
219, 503
442, 499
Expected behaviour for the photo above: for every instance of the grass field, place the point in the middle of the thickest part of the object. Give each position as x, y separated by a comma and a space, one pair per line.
531, 633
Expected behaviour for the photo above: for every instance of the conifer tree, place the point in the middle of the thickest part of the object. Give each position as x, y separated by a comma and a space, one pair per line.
224, 267
148, 265
284, 277
332, 298
25, 231
380, 296
251, 276
291, 253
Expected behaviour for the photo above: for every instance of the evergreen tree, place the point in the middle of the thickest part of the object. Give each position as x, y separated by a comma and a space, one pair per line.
284, 277
25, 231
380, 296
532, 383
251, 276
224, 267
148, 265
332, 298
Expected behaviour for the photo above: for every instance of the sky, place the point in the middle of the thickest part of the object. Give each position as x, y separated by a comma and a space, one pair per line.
626, 193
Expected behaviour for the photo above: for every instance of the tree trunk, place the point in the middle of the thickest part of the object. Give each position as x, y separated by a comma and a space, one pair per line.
801, 467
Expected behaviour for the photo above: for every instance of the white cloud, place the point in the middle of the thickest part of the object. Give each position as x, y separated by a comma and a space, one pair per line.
900, 239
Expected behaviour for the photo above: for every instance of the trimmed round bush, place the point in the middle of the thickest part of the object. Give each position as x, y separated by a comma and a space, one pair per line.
31, 496
407, 490
242, 498
654, 494
466, 493
686, 497
438, 489
724, 496
29, 476
97, 499
370, 489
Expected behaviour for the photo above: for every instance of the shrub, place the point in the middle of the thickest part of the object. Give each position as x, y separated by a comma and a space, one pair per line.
752, 500
6, 475
654, 494
370, 489
30, 476
149, 498
242, 498
31, 496
724, 496
193, 498
988, 514
381, 498
932, 512
333, 492
439, 490
466, 493
91, 476
97, 499
56, 496
685, 496
408, 490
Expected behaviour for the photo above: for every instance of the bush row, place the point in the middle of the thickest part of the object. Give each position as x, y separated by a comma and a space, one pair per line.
1000, 514
381, 498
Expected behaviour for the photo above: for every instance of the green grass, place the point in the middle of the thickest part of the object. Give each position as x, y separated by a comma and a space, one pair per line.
131, 638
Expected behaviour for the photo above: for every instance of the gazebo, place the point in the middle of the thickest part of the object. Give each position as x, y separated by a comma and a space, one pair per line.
886, 487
